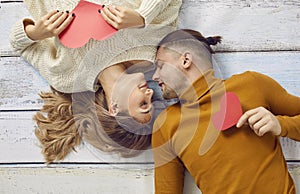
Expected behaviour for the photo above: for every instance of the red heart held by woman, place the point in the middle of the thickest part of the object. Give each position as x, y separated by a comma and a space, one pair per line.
229, 113
87, 24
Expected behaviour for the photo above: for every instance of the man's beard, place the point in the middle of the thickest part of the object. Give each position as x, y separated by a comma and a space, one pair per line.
169, 93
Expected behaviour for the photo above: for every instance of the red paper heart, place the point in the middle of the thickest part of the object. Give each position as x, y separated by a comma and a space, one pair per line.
229, 113
87, 24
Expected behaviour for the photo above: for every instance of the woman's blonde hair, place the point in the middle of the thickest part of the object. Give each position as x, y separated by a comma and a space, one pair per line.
66, 119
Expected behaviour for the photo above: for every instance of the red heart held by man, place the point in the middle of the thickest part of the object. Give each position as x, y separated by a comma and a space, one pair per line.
229, 113
87, 24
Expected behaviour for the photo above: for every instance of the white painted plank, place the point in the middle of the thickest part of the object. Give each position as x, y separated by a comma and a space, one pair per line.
102, 179
10, 13
20, 83
245, 25
18, 144
284, 67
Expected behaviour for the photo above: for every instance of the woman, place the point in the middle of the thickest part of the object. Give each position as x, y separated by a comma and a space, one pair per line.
88, 98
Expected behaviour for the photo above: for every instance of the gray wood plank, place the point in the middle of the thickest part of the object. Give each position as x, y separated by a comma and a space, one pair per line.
244, 25
89, 179
10, 13
20, 83
18, 144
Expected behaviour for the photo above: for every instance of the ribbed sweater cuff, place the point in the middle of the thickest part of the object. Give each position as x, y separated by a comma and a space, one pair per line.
283, 125
18, 37
149, 10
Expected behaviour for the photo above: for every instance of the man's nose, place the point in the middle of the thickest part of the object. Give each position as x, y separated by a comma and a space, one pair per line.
155, 76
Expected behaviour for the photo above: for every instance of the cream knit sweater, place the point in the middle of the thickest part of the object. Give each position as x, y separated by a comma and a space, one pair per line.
75, 70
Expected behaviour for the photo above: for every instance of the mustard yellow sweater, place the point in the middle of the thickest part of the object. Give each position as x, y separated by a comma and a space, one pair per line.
238, 161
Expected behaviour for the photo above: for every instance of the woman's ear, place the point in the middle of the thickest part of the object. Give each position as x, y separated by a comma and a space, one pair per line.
186, 60
113, 109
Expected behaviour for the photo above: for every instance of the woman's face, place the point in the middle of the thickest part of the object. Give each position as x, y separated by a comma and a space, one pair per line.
132, 95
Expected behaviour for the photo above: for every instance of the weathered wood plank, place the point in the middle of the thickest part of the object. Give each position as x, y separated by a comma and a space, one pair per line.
20, 83
18, 142
244, 25
102, 179
10, 13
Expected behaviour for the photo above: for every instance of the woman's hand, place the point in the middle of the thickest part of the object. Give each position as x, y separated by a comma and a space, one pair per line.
260, 121
121, 17
49, 25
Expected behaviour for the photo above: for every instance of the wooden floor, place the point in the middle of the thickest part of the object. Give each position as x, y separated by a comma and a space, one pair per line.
262, 35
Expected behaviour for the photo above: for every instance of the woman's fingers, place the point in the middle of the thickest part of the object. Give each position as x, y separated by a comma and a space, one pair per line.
109, 16
54, 18
59, 20
49, 15
64, 24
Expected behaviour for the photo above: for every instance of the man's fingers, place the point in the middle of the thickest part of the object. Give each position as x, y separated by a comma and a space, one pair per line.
258, 125
263, 130
246, 117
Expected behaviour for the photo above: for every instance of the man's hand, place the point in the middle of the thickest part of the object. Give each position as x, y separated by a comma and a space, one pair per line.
52, 24
260, 121
121, 17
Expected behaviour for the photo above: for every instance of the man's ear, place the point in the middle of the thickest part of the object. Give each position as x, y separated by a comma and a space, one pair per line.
113, 109
187, 60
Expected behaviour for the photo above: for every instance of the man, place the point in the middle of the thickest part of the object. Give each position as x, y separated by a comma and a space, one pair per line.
246, 158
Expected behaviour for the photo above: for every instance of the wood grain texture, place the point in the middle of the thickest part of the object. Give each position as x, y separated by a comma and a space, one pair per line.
262, 25
89, 179
18, 142
10, 13
20, 83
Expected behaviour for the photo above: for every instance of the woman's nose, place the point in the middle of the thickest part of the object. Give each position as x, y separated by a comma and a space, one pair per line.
149, 94
149, 91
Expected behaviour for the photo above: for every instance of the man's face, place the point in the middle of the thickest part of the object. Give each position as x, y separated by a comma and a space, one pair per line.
168, 73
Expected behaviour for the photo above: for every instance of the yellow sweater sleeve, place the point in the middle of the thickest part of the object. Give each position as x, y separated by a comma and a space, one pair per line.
285, 106
169, 170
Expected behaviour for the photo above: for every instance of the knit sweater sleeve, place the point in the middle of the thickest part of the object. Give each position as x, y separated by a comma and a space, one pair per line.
37, 53
18, 37
285, 106
46, 56
150, 9
169, 170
